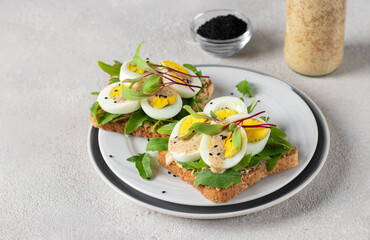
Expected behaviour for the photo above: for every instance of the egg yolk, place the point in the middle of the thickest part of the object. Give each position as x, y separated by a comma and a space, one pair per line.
187, 122
163, 101
229, 146
134, 69
224, 113
175, 66
116, 92
255, 134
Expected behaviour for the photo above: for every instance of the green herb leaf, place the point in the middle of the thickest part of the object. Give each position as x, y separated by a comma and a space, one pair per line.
244, 88
167, 129
271, 163
150, 84
193, 68
241, 99
142, 164
111, 70
133, 80
107, 117
217, 180
136, 120
215, 116
200, 100
255, 160
270, 151
130, 94
276, 139
243, 163
157, 144
208, 129
266, 119
196, 165
252, 106
276, 132
138, 62
113, 80
194, 114
236, 137
94, 110
154, 126
189, 134
118, 63
95, 93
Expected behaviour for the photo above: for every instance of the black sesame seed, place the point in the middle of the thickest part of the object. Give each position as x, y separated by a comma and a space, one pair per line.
110, 156
211, 103
119, 84
174, 175
193, 131
163, 191
231, 93
156, 95
169, 172
224, 137
148, 178
106, 98
147, 58
259, 101
116, 90
218, 154
176, 136
210, 154
165, 96
148, 139
174, 142
215, 146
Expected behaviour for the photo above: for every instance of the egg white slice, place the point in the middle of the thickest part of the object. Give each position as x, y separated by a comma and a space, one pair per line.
252, 148
193, 156
125, 72
108, 105
185, 91
162, 113
228, 162
225, 102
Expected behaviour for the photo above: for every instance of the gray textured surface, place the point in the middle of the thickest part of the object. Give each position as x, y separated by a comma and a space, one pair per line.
48, 54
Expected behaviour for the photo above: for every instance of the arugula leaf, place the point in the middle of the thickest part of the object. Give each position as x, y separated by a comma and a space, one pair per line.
252, 106
130, 94
133, 80
196, 165
244, 88
167, 129
217, 180
107, 117
157, 144
243, 163
200, 100
136, 120
142, 164
266, 119
95, 93
118, 63
236, 137
276, 132
138, 62
187, 135
192, 113
255, 160
276, 138
111, 70
271, 163
154, 126
94, 110
208, 129
150, 84
183, 113
193, 68
270, 151
113, 80
215, 116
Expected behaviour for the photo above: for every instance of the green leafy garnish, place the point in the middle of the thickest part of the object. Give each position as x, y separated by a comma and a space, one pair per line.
205, 128
138, 62
133, 80
271, 163
107, 117
113, 80
266, 119
217, 180
142, 163
193, 68
167, 129
130, 94
95, 93
187, 135
243, 163
118, 63
196, 165
157, 144
270, 151
193, 113
255, 160
244, 88
215, 116
136, 120
276, 138
94, 110
252, 106
236, 137
150, 84
110, 69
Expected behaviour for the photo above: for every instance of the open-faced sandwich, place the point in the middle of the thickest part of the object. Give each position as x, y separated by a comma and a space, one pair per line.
222, 150
147, 99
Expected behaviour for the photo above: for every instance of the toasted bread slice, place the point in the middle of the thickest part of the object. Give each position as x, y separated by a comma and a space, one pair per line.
249, 177
144, 131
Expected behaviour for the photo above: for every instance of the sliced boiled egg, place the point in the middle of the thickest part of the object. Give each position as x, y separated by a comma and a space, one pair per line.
129, 71
224, 107
185, 150
219, 153
257, 136
165, 104
183, 90
110, 100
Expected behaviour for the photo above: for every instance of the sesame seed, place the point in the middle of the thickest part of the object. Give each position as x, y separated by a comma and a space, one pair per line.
174, 175
163, 191
106, 98
211, 103
210, 154
116, 90
174, 142
176, 136
169, 172
148, 178
218, 154
110, 156
215, 146
115, 101
148, 139
231, 93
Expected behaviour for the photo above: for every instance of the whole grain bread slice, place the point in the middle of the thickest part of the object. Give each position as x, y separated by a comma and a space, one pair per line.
249, 177
144, 131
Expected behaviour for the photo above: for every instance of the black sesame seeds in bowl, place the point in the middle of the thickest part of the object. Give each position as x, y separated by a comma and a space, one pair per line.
221, 32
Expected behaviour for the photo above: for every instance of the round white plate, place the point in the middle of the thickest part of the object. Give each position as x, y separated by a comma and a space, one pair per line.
286, 109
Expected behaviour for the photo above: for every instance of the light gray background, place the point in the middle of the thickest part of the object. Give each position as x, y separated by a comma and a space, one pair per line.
48, 55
